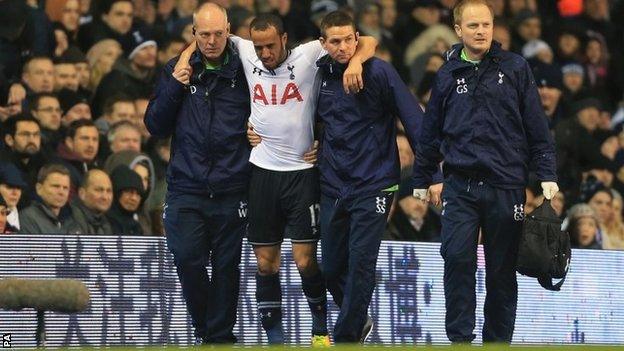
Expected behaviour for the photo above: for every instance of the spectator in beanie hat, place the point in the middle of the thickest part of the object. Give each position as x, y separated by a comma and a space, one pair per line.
74, 106
549, 85
5, 227
583, 227
11, 187
128, 199
133, 74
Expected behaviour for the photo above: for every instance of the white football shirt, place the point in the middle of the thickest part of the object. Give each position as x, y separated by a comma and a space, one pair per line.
283, 104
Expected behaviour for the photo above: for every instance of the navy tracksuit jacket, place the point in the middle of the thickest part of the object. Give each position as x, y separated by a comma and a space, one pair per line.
207, 178
358, 158
487, 124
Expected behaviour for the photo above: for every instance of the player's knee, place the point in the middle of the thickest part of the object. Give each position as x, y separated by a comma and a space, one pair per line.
266, 267
306, 265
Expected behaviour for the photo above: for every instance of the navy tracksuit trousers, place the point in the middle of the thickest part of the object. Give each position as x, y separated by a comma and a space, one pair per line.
351, 231
471, 204
200, 230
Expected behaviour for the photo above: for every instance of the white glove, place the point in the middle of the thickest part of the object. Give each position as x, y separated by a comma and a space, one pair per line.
420, 194
549, 189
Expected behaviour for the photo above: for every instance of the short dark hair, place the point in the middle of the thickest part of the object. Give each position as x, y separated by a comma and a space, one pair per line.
75, 125
106, 5
33, 105
10, 125
336, 19
265, 20
111, 101
48, 169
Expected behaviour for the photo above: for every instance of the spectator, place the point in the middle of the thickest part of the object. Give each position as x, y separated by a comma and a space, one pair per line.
124, 135
45, 107
22, 135
597, 68
140, 104
528, 26
171, 49
65, 17
38, 75
4, 213
101, 58
502, 34
583, 227
44, 215
134, 76
240, 19
413, 220
75, 107
79, 150
419, 16
128, 198
548, 80
74, 56
11, 186
577, 150
117, 108
569, 45
613, 236
160, 153
65, 76
95, 197
539, 50
573, 75
114, 22
144, 167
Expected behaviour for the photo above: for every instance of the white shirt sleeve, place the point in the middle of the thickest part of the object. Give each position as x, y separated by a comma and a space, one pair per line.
244, 47
312, 50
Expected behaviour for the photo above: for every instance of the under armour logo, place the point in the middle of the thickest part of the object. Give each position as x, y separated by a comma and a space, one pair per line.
324, 83
500, 77
462, 87
381, 204
518, 212
233, 85
242, 209
292, 74
257, 70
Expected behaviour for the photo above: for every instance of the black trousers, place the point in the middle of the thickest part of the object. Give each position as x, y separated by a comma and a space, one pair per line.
470, 204
202, 230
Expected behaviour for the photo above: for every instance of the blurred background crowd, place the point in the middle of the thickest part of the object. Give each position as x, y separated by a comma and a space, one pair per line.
76, 77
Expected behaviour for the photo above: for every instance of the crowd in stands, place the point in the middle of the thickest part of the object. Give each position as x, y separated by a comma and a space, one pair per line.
76, 77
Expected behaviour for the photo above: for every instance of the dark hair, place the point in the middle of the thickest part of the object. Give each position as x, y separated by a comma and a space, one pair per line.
106, 5
167, 42
48, 169
10, 125
336, 19
111, 101
264, 21
75, 125
33, 105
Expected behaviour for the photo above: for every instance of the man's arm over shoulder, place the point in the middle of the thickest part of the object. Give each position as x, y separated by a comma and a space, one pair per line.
244, 47
162, 110
541, 145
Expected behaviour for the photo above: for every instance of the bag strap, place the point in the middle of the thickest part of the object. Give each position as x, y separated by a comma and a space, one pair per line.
546, 282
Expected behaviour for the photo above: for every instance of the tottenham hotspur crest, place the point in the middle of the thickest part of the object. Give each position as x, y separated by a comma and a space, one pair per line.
518, 212
292, 74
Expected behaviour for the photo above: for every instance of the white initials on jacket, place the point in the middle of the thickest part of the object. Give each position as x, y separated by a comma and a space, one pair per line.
462, 87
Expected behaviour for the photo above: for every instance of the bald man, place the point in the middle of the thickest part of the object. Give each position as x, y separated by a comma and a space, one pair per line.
205, 214
95, 197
